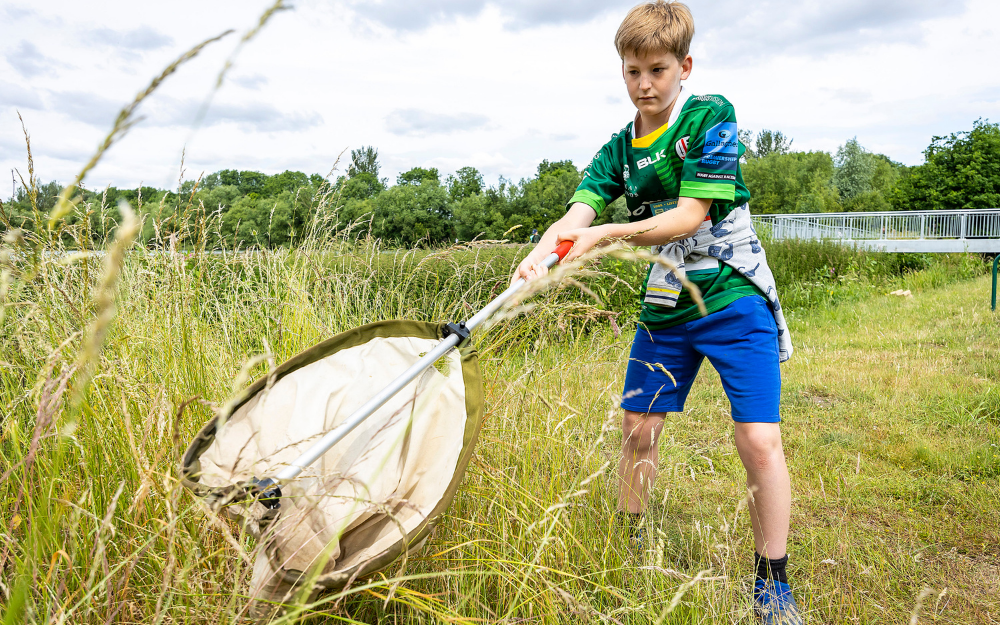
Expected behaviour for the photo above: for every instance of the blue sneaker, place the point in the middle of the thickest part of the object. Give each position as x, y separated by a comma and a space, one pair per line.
631, 525
774, 603
637, 542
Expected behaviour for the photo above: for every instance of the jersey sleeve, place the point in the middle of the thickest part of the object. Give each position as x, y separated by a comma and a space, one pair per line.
603, 181
709, 169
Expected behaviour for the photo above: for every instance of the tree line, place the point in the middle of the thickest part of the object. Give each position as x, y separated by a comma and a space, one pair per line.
960, 171
250, 209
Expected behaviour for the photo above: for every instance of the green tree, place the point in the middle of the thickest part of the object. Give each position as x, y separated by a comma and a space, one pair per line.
960, 171
418, 176
209, 182
355, 216
766, 142
412, 214
364, 160
617, 211
797, 182
865, 181
244, 224
362, 181
855, 168
290, 181
884, 177
246, 181
218, 199
490, 214
465, 182
20, 210
512, 210
543, 200
362, 185
746, 138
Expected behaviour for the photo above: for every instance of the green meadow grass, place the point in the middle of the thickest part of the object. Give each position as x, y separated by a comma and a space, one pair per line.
890, 404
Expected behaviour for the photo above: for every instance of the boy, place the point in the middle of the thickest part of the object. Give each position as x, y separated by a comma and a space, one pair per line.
677, 164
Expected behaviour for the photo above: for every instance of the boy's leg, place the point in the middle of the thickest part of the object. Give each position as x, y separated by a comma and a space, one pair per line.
650, 392
742, 343
637, 467
770, 496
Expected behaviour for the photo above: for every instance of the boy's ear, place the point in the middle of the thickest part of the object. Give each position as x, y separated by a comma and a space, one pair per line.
686, 65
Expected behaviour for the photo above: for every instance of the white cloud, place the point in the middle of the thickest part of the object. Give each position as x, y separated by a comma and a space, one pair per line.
406, 15
86, 107
811, 27
29, 61
446, 83
247, 116
419, 123
142, 38
254, 82
19, 96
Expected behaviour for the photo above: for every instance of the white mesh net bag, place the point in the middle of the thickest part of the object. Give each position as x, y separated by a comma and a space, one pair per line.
373, 495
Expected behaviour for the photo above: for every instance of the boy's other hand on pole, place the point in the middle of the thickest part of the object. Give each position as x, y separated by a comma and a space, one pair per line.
529, 269
584, 239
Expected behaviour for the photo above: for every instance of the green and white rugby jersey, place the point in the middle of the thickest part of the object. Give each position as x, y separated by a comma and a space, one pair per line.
695, 154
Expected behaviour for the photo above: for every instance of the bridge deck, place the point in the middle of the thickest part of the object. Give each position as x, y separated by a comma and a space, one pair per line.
975, 231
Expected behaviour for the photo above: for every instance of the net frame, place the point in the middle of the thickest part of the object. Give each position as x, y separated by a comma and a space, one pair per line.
257, 519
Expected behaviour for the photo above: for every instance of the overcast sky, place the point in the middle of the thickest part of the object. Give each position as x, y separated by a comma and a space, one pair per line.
449, 83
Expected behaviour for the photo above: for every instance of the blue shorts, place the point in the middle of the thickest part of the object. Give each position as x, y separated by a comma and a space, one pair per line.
741, 342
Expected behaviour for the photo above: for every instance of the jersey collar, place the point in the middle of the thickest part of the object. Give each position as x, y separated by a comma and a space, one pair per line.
646, 141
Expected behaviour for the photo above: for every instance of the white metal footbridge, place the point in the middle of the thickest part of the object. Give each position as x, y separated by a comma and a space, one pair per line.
897, 231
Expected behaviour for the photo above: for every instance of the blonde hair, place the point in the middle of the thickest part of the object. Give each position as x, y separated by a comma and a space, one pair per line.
656, 28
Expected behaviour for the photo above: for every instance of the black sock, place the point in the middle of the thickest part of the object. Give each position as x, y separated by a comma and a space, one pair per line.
631, 521
770, 569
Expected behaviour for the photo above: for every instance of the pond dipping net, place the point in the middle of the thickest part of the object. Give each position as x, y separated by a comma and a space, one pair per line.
373, 495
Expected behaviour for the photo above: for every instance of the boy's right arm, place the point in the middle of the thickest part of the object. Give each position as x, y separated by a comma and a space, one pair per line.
579, 215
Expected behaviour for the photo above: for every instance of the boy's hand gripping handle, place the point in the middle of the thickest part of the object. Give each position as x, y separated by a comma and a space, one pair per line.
557, 255
562, 249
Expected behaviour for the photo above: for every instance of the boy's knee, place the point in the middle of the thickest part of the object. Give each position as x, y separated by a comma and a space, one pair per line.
759, 460
758, 443
639, 430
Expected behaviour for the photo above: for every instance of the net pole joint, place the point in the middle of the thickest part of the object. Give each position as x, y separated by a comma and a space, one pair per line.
266, 491
459, 330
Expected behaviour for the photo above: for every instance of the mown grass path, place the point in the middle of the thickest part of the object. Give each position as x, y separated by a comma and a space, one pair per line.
893, 436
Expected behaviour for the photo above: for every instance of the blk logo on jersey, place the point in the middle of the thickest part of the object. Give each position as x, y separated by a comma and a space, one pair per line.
681, 147
642, 163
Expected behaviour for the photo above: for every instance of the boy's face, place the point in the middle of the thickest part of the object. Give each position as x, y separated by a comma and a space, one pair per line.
654, 80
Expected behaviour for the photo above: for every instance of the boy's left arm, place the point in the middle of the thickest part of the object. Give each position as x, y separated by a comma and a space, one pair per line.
672, 225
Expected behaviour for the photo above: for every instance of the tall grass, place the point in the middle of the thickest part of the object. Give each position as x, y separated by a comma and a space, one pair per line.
96, 528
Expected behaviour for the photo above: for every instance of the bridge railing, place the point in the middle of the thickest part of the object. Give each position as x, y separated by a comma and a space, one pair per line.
895, 225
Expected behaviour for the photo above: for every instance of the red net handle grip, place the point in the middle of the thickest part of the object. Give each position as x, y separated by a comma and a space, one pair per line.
558, 254
563, 248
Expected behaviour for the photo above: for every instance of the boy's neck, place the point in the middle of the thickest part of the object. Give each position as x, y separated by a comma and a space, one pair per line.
644, 125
